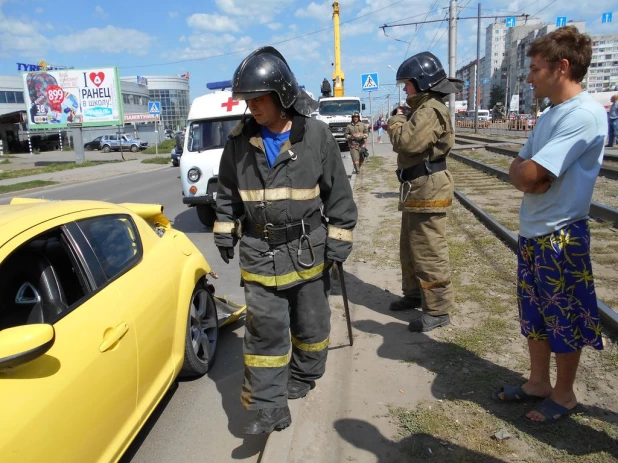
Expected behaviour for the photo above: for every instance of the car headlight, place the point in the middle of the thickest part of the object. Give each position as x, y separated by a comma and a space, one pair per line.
194, 174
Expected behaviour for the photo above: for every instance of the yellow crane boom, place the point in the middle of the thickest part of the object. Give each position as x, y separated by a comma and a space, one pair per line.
338, 76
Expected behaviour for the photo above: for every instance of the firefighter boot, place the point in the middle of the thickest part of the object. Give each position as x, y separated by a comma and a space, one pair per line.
405, 303
298, 389
269, 420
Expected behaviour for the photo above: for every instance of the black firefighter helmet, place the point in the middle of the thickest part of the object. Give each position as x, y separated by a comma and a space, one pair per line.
425, 71
262, 72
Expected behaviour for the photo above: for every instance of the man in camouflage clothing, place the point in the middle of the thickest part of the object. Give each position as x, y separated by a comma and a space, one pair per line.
356, 134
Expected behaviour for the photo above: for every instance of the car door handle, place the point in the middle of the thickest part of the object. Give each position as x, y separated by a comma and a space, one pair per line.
111, 338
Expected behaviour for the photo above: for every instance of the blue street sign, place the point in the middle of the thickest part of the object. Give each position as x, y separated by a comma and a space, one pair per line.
485, 80
606, 18
466, 83
369, 82
511, 21
561, 21
154, 107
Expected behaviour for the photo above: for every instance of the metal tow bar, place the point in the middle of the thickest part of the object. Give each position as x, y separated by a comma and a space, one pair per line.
346, 306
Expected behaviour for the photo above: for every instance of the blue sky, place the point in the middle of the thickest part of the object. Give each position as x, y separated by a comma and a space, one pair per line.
209, 38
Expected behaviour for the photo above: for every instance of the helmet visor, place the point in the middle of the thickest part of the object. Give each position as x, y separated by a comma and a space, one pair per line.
248, 95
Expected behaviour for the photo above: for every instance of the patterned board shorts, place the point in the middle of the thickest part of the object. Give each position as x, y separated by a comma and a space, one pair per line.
555, 289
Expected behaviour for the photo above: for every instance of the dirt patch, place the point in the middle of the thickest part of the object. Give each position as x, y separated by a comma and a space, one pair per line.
482, 350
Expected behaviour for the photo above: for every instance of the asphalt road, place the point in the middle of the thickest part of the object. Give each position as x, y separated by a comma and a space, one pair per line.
199, 420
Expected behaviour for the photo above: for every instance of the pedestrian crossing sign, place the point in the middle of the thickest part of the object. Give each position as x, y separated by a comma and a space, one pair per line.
369, 82
154, 107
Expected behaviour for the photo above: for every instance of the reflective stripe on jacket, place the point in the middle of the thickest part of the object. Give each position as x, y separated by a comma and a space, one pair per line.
307, 174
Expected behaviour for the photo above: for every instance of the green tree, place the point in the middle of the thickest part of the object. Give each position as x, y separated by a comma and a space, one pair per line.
496, 95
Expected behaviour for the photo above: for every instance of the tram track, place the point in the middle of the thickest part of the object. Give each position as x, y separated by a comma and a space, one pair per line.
486, 191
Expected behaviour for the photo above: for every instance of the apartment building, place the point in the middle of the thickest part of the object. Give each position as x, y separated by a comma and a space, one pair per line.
603, 71
467, 94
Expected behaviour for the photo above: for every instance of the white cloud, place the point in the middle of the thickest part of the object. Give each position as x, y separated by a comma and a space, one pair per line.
110, 39
212, 22
100, 12
38, 10
172, 14
275, 26
21, 39
182, 38
263, 11
320, 12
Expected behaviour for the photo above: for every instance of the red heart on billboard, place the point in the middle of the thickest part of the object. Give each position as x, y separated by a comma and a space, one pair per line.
97, 78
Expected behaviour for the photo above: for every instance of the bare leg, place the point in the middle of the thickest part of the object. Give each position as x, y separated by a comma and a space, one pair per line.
539, 383
563, 394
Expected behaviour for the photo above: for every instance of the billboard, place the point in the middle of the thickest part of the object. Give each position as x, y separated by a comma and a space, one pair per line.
57, 98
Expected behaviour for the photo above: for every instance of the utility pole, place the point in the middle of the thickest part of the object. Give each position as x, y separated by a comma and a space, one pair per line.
452, 53
388, 98
477, 79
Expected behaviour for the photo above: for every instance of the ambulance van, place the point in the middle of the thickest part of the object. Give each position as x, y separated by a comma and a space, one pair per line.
211, 119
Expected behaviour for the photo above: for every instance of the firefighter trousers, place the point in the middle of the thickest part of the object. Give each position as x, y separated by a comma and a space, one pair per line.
425, 268
299, 316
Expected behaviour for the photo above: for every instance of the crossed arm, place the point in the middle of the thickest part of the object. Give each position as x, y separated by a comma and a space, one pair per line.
530, 177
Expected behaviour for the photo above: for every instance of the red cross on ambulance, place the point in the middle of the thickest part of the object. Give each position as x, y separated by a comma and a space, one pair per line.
229, 104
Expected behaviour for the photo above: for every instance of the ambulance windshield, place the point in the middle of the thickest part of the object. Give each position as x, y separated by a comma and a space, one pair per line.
210, 134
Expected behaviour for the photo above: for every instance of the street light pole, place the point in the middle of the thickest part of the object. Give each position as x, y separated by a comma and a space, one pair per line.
398, 87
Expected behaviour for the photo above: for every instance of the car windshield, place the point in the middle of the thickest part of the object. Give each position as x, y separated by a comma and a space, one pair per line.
207, 135
339, 108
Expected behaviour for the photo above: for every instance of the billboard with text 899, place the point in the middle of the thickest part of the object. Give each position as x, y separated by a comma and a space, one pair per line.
90, 97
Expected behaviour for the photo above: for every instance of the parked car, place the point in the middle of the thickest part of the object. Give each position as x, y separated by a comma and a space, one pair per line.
93, 145
113, 143
175, 156
102, 306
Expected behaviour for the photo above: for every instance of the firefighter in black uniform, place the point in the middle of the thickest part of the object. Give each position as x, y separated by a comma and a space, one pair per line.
284, 194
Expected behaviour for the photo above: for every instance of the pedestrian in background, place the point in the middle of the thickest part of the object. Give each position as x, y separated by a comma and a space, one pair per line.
356, 134
279, 170
612, 122
422, 140
557, 169
379, 123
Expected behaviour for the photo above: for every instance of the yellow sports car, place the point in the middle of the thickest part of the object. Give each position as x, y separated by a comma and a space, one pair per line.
101, 307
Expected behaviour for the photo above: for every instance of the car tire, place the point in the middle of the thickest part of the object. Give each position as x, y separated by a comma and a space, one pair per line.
202, 333
106, 149
134, 148
88, 148
206, 214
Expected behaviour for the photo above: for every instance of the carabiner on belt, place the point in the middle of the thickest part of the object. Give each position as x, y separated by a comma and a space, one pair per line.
305, 237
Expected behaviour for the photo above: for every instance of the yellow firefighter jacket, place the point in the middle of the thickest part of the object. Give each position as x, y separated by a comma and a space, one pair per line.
426, 135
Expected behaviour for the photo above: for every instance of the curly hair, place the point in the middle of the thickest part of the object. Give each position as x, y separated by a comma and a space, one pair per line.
565, 43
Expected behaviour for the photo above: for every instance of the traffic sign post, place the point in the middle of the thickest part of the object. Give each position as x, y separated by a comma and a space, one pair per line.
606, 18
511, 21
561, 21
370, 83
154, 109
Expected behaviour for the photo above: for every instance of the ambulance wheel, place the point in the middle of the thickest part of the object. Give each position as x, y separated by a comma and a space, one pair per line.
134, 148
206, 214
202, 333
106, 149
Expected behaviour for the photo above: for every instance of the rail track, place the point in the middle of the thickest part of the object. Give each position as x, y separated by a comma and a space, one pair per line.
487, 192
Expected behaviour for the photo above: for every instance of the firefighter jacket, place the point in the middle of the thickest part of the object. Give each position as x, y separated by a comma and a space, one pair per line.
352, 131
308, 175
425, 136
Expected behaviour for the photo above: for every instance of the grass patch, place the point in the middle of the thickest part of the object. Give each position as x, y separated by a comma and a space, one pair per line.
164, 147
487, 337
48, 169
157, 160
5, 161
25, 186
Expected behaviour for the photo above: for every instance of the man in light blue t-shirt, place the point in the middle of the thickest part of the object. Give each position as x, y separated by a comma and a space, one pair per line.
557, 170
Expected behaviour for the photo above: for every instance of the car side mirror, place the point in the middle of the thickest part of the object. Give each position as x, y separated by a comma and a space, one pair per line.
363, 106
22, 344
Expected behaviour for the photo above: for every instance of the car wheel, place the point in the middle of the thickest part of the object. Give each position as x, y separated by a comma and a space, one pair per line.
106, 149
88, 148
202, 333
206, 214
134, 148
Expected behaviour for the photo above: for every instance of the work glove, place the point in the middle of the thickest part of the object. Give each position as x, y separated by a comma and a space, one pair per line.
226, 253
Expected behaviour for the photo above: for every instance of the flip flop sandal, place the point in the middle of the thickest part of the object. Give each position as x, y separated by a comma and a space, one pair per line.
552, 411
513, 394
